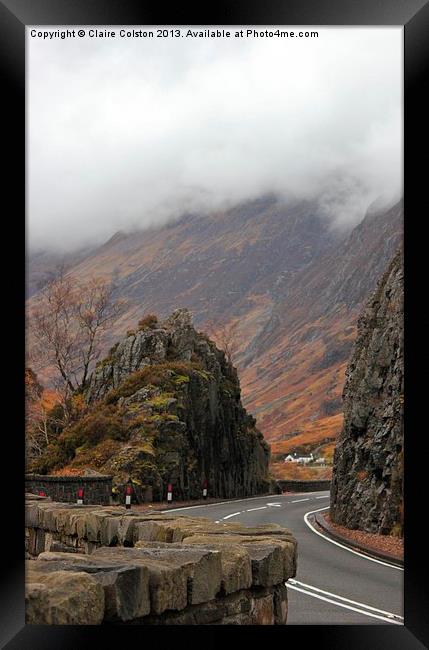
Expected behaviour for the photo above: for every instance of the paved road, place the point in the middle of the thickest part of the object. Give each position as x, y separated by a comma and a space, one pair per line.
333, 585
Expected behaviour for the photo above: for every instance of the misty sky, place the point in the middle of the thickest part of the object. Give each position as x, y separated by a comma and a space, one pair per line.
126, 133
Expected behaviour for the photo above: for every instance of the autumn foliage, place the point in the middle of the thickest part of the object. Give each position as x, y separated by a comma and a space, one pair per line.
148, 322
68, 325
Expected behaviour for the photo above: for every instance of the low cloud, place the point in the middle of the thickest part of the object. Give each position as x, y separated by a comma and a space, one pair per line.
127, 133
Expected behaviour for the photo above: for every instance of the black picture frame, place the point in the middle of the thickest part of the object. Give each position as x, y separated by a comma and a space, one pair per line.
414, 16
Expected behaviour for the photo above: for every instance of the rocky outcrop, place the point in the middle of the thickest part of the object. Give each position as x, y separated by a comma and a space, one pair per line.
164, 407
116, 566
367, 483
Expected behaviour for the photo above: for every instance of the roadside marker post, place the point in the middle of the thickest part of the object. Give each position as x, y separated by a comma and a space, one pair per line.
170, 492
80, 497
205, 486
128, 493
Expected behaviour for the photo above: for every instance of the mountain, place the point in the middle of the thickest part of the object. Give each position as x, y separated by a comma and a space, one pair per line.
293, 375
43, 264
367, 481
288, 282
164, 407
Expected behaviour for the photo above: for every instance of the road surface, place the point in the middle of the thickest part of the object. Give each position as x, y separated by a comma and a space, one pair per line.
333, 585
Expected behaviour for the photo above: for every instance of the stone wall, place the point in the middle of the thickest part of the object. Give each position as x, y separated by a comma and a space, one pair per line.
303, 486
97, 489
91, 565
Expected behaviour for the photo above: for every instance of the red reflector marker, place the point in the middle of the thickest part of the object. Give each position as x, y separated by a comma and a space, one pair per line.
80, 496
128, 493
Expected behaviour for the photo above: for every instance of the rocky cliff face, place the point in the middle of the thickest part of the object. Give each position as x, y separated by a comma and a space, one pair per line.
367, 484
164, 407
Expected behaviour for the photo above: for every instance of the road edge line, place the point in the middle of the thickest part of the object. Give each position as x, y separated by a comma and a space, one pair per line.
320, 521
334, 602
347, 548
304, 585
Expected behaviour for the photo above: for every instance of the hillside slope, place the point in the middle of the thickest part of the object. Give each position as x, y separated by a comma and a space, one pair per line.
291, 284
293, 376
220, 266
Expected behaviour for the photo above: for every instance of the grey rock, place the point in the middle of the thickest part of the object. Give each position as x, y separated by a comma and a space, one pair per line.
202, 430
62, 598
126, 585
367, 483
176, 576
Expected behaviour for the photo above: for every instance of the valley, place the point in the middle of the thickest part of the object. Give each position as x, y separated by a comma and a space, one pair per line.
284, 285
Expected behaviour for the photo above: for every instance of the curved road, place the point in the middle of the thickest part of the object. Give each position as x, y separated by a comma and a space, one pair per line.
333, 585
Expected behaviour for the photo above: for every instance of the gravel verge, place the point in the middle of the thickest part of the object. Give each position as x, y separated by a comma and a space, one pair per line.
387, 547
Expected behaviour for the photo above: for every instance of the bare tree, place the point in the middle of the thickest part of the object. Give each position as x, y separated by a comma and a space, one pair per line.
36, 416
68, 325
225, 335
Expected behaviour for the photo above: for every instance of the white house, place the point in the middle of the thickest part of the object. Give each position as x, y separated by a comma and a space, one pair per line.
303, 460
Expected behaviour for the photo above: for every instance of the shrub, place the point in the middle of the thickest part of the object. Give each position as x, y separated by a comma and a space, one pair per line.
96, 426
181, 379
143, 425
139, 379
166, 375
54, 456
112, 396
56, 417
96, 456
161, 402
149, 322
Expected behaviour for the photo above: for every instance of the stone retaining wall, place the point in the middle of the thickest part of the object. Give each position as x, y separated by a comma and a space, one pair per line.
303, 486
97, 489
92, 564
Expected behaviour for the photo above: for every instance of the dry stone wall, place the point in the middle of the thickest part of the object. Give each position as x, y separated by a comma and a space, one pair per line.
97, 489
303, 486
93, 564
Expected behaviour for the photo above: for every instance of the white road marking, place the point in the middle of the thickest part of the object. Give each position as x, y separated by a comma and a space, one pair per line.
221, 503
309, 590
276, 505
338, 604
366, 557
234, 514
347, 600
